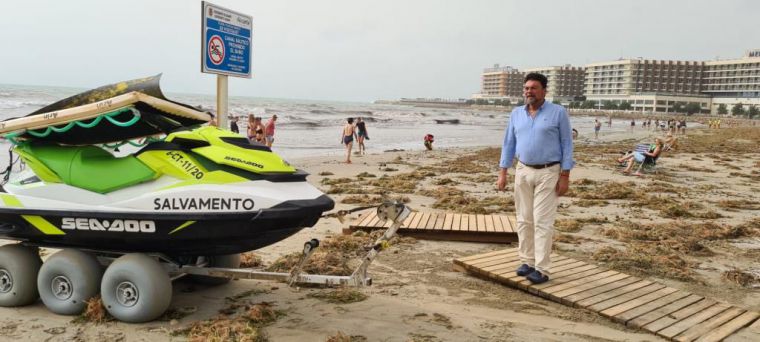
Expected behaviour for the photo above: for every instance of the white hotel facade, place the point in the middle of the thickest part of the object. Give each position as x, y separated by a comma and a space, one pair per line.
657, 85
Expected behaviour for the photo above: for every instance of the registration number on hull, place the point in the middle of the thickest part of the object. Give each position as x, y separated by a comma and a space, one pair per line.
129, 226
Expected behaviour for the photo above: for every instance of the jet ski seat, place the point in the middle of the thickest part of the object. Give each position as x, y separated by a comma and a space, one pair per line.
87, 167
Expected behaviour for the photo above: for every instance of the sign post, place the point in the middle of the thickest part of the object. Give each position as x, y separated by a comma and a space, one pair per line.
226, 50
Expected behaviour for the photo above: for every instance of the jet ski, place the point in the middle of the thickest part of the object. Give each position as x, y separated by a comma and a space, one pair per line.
197, 190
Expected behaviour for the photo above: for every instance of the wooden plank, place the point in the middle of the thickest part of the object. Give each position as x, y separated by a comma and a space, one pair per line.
423, 221
478, 256
506, 271
431, 221
498, 227
731, 327
513, 222
465, 223
373, 222
439, 221
576, 297
679, 315
587, 286
489, 261
692, 320
416, 221
654, 315
473, 223
447, 221
481, 223
408, 220
564, 277
703, 328
648, 307
457, 223
612, 294
489, 223
637, 302
571, 285
507, 224
626, 297
364, 219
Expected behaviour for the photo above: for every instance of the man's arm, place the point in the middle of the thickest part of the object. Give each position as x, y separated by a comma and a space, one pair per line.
566, 145
507, 153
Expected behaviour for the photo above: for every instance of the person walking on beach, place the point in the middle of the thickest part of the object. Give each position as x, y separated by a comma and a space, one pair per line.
250, 131
361, 134
609, 121
633, 124
347, 138
427, 140
597, 127
269, 130
540, 136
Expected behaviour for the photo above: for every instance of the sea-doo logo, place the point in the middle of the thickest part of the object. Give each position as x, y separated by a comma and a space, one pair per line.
129, 226
247, 162
203, 204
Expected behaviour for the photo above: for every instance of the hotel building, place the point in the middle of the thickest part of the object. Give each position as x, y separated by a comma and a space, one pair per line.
652, 85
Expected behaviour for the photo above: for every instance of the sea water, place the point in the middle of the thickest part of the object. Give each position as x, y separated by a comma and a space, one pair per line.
308, 128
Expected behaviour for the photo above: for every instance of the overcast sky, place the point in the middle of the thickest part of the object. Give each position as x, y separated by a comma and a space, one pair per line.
357, 50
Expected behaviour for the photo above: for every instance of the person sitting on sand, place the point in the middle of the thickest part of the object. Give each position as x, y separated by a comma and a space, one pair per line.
671, 142
640, 157
428, 141
347, 138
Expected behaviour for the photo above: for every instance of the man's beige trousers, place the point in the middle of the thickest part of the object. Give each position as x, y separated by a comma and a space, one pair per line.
536, 205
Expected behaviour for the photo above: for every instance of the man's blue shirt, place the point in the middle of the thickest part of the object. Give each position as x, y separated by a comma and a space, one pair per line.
544, 139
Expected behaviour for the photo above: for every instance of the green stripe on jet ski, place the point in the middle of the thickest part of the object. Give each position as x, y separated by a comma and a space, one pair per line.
43, 225
181, 227
37, 221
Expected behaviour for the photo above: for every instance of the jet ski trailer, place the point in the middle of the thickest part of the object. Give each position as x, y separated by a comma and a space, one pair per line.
121, 177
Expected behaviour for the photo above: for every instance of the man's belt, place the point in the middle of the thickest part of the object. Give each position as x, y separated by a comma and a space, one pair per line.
541, 166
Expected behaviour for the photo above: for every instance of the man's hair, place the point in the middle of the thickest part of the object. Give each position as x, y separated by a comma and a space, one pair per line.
534, 76
350, 120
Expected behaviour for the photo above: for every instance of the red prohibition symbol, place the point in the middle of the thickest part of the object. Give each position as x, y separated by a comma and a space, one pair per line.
216, 50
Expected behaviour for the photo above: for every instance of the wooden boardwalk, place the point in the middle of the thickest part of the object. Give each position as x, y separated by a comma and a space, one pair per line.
445, 226
635, 302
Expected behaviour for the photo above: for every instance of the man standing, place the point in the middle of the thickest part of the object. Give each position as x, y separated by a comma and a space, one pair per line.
540, 136
269, 130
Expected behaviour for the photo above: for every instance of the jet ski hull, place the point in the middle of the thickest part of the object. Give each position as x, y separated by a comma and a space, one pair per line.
173, 234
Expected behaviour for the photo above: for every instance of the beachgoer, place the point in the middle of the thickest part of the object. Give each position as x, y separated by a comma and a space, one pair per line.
609, 121
347, 136
361, 134
539, 134
597, 127
575, 134
428, 141
682, 126
251, 129
633, 124
234, 124
639, 157
671, 142
258, 130
269, 130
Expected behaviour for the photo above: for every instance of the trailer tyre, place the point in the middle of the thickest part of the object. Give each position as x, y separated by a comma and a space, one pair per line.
18, 275
136, 289
223, 261
67, 280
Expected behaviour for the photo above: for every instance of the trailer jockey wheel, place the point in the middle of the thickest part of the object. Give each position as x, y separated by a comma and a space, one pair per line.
136, 289
67, 280
18, 275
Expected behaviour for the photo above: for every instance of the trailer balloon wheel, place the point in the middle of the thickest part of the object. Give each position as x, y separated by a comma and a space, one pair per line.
136, 289
18, 275
67, 280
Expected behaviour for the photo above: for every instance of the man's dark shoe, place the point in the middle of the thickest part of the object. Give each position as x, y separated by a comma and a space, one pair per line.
536, 277
524, 270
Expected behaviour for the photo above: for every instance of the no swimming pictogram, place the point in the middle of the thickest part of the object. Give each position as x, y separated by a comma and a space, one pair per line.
216, 50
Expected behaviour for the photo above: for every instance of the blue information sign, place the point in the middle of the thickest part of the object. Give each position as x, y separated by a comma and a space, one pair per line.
226, 41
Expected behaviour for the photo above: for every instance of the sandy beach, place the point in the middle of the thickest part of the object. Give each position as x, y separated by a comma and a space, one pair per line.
693, 226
